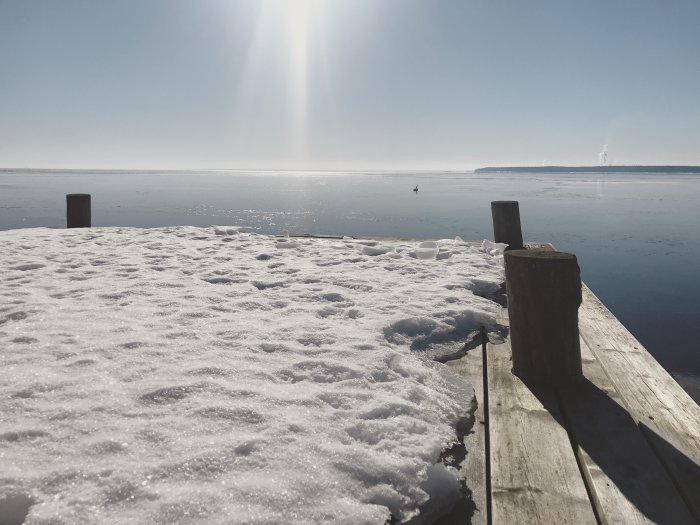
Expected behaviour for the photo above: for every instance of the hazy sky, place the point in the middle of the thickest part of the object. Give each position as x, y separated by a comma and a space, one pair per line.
334, 84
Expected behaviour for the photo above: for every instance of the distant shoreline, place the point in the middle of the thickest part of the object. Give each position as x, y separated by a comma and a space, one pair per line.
488, 169
590, 169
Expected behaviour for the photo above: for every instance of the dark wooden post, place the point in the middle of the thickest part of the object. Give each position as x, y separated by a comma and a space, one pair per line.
544, 293
506, 223
78, 212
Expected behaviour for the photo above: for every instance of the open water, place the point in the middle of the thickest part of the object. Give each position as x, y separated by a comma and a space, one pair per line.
637, 236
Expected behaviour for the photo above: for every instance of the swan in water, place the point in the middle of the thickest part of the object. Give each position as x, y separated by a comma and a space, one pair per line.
416, 188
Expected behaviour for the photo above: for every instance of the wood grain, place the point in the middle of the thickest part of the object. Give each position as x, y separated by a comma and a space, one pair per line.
473, 468
534, 474
626, 479
668, 416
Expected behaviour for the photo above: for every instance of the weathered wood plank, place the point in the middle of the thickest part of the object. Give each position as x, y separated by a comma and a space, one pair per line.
534, 474
624, 475
473, 467
666, 413
544, 294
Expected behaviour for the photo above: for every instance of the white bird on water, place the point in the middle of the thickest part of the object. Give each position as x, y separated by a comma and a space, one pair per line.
416, 188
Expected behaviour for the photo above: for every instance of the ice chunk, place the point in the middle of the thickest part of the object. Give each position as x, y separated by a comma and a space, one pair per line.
427, 250
376, 250
229, 230
493, 248
287, 244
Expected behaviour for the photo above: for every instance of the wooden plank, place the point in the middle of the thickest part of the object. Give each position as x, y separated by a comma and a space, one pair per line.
666, 413
473, 468
624, 475
534, 474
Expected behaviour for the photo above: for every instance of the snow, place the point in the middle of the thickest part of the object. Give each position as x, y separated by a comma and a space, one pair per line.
189, 375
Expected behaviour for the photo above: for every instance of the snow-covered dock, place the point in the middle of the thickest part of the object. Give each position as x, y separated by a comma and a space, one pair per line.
211, 375
188, 375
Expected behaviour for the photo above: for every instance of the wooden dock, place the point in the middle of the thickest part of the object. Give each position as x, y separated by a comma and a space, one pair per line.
623, 446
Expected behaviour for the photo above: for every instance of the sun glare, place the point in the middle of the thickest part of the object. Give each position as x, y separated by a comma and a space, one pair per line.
283, 30
299, 13
299, 16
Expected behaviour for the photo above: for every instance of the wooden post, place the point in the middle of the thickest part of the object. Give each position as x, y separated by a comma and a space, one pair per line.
78, 210
506, 224
544, 293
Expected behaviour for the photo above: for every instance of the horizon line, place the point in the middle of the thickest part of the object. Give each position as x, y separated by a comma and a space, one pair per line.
351, 170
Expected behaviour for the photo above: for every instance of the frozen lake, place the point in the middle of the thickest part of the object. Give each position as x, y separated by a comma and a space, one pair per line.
635, 235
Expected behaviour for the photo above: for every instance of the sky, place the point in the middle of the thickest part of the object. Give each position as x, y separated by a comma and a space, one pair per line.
347, 84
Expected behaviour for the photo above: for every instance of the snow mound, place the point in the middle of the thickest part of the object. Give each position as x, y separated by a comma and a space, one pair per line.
186, 375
